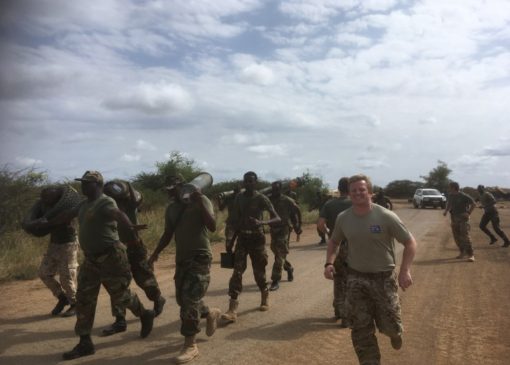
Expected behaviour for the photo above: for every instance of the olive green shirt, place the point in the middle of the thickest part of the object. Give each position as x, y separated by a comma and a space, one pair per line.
371, 238
130, 208
459, 203
98, 232
188, 225
488, 201
63, 233
332, 208
246, 207
285, 208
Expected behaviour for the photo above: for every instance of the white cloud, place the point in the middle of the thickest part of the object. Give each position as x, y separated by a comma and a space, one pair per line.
159, 98
258, 74
267, 150
130, 158
142, 145
496, 151
28, 161
428, 120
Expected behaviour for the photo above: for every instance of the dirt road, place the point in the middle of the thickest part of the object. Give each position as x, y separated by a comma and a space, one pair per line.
455, 313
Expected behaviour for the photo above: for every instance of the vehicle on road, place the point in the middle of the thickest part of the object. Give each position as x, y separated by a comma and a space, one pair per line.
428, 198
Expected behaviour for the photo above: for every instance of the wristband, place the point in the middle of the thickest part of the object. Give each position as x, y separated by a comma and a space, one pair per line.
328, 264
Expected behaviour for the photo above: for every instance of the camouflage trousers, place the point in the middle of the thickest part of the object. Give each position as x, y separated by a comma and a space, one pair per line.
340, 282
460, 230
142, 274
493, 217
253, 245
280, 248
192, 279
372, 300
61, 259
110, 269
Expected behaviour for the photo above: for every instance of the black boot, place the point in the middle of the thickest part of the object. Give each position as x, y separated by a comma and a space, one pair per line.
274, 285
147, 320
62, 302
70, 312
290, 274
119, 325
84, 348
158, 305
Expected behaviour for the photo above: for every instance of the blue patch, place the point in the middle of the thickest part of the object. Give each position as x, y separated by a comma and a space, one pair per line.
375, 228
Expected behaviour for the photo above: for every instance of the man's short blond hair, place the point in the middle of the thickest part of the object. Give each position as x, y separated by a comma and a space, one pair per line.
361, 177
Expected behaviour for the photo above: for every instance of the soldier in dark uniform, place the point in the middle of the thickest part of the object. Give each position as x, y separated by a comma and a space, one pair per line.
228, 202
190, 222
137, 256
460, 206
247, 217
105, 261
288, 211
490, 215
326, 224
318, 203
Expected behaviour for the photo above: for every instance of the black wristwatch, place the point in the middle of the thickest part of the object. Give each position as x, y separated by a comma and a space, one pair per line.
328, 264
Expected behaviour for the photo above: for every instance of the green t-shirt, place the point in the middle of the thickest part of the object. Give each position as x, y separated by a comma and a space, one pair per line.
250, 206
187, 223
284, 207
97, 231
488, 201
371, 238
333, 208
63, 233
459, 203
130, 208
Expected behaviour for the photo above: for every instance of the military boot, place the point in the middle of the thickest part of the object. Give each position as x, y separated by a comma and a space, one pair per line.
188, 351
70, 312
274, 285
212, 321
231, 314
290, 274
119, 325
147, 321
84, 348
158, 305
264, 303
62, 302
396, 342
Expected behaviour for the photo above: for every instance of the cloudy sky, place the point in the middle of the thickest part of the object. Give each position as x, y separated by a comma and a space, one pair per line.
334, 87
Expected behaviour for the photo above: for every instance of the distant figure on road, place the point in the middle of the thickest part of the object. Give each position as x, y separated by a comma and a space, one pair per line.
490, 215
372, 291
190, 223
247, 217
61, 256
288, 211
137, 254
318, 203
326, 224
460, 206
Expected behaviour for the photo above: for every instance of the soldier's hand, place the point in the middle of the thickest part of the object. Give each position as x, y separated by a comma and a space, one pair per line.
329, 272
195, 196
404, 279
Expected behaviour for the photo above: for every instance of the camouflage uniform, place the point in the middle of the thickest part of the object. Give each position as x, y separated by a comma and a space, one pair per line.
192, 261
141, 271
111, 269
62, 258
491, 214
105, 263
285, 208
372, 290
459, 204
329, 212
250, 241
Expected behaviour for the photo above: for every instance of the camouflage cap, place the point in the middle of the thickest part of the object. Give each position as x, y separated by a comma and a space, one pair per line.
91, 176
174, 180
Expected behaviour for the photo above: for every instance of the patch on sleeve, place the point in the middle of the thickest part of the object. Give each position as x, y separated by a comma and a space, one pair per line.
375, 228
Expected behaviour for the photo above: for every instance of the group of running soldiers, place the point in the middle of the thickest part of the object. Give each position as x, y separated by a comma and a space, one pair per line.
360, 256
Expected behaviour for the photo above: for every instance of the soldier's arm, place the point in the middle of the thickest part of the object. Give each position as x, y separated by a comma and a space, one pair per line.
329, 269
165, 239
404, 276
207, 214
64, 217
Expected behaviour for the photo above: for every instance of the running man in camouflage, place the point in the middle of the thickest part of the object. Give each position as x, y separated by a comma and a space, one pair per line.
105, 261
326, 224
490, 214
288, 211
460, 206
190, 223
372, 286
137, 255
248, 221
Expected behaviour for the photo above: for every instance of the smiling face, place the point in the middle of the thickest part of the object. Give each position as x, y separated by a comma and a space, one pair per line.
360, 193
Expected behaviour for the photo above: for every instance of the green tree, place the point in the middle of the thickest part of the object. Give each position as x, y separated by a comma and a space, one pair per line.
307, 192
438, 177
402, 188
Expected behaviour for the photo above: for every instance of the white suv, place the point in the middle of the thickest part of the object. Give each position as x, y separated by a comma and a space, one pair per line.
429, 197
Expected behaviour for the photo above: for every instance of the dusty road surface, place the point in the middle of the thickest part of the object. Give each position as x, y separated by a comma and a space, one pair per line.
455, 313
